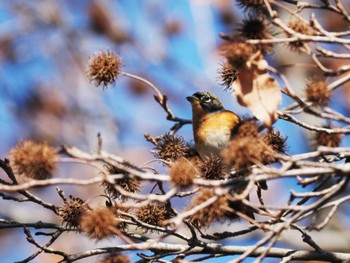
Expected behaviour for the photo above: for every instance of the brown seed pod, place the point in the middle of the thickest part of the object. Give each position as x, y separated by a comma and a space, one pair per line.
104, 68
171, 147
99, 223
71, 211
182, 172
33, 160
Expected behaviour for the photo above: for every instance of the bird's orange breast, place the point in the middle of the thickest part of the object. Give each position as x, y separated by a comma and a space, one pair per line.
213, 131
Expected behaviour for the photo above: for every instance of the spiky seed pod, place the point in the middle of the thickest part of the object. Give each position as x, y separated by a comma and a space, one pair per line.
328, 140
214, 212
213, 168
276, 140
317, 91
104, 68
182, 172
171, 147
71, 211
255, 27
128, 184
116, 258
301, 27
33, 160
247, 128
252, 6
99, 223
227, 75
153, 214
246, 151
237, 53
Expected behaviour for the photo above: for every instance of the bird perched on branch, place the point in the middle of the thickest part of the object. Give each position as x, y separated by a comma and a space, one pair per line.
213, 126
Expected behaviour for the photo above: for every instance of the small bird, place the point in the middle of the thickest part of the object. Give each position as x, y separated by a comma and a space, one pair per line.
213, 128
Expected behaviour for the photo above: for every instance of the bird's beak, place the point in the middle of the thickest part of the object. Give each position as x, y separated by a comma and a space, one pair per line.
193, 100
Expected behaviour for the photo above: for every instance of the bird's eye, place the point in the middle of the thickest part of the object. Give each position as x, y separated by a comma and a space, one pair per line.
206, 99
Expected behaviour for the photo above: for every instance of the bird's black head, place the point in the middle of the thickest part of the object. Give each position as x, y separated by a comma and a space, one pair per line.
208, 101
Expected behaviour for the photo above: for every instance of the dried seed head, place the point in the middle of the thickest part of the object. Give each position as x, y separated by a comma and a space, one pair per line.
116, 258
317, 91
216, 211
276, 140
104, 68
254, 27
99, 223
153, 214
128, 184
238, 53
33, 160
301, 27
71, 211
252, 6
182, 172
227, 75
328, 140
171, 147
243, 152
248, 128
213, 168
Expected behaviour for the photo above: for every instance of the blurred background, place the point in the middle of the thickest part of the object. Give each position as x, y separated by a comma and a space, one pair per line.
46, 95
